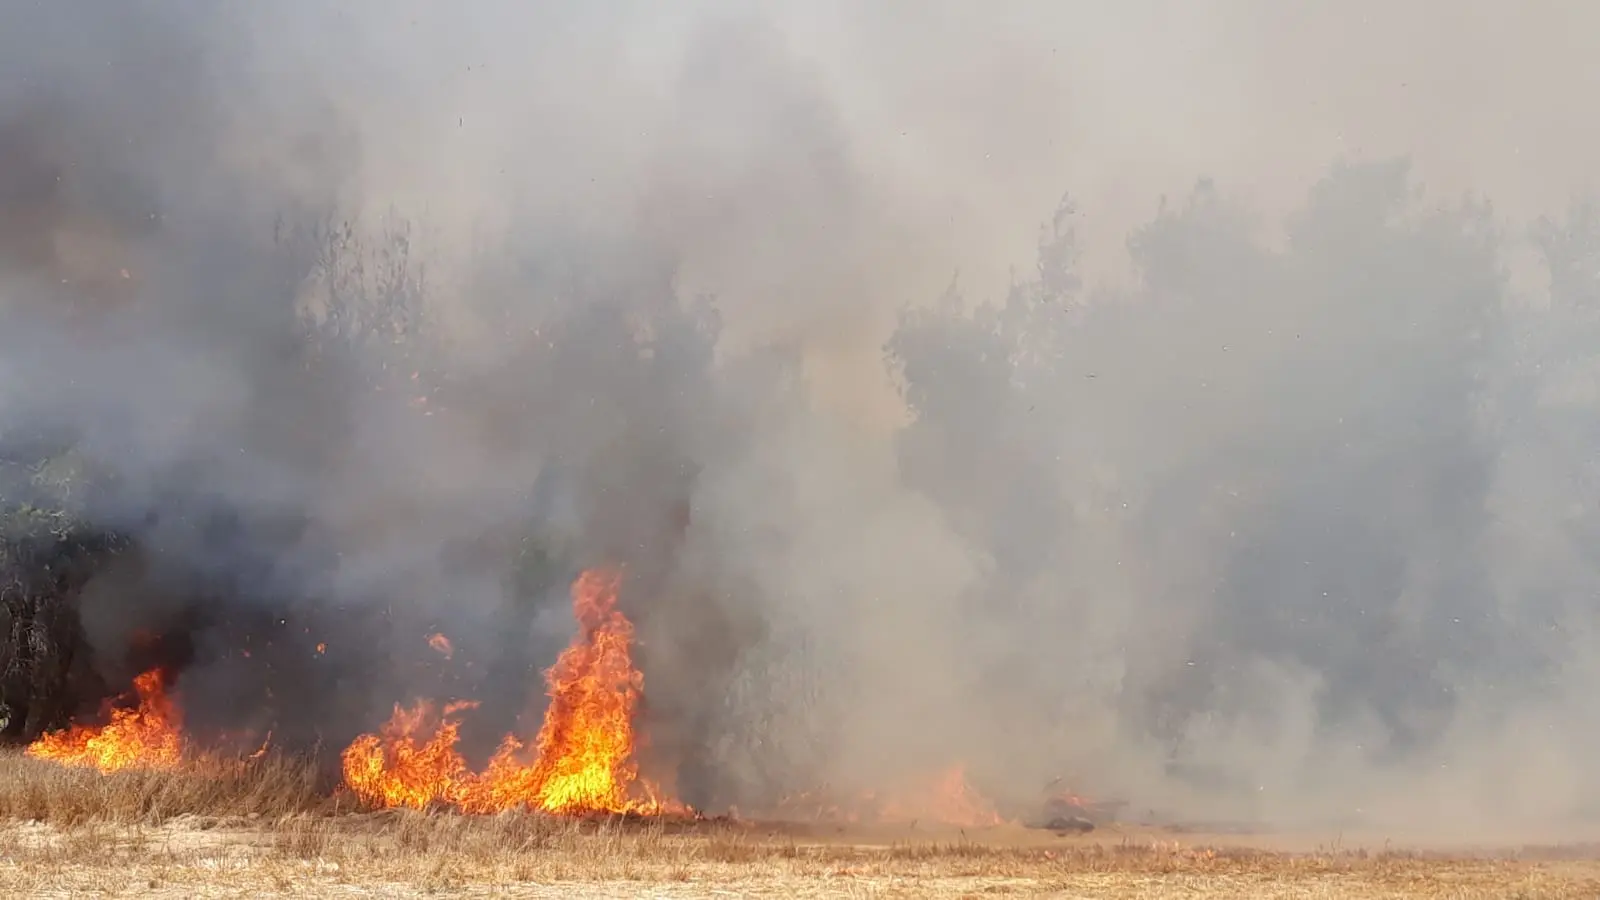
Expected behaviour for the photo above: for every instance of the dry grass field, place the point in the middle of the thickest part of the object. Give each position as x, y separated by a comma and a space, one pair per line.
262, 829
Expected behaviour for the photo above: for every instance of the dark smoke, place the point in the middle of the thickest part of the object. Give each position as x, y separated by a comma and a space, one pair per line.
349, 328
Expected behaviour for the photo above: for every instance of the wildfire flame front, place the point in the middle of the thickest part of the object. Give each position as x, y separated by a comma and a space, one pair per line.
583, 757
147, 736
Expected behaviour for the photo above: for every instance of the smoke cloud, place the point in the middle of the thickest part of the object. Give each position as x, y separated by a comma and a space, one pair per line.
1255, 485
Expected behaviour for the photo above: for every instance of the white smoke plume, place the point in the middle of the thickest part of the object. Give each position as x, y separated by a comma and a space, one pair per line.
1264, 494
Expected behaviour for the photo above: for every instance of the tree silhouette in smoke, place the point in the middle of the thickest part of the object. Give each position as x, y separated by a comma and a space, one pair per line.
1286, 446
974, 383
1545, 519
1361, 561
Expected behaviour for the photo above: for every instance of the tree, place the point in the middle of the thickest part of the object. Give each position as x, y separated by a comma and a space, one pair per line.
1260, 456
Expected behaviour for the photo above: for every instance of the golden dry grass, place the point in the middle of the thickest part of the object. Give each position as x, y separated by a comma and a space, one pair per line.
263, 830
38, 791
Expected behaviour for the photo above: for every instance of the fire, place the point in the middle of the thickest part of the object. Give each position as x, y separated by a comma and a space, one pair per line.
144, 737
949, 799
582, 760
412, 762
585, 747
945, 798
442, 644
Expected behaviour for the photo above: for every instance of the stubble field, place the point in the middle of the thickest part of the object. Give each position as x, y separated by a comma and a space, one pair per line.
264, 829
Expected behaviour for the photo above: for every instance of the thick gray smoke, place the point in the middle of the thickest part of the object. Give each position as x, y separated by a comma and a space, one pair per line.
383, 321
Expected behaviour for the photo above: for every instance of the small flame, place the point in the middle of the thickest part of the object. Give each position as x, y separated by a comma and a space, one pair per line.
442, 645
945, 798
949, 798
321, 648
144, 737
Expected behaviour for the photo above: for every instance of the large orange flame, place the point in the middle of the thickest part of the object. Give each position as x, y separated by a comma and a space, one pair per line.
144, 737
584, 755
412, 762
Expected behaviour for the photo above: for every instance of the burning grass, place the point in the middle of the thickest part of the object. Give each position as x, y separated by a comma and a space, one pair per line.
582, 761
126, 804
146, 735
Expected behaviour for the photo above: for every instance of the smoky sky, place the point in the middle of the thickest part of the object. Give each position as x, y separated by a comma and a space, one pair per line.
1251, 480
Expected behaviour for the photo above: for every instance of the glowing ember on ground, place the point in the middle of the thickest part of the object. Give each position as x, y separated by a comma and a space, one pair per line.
583, 757
145, 737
